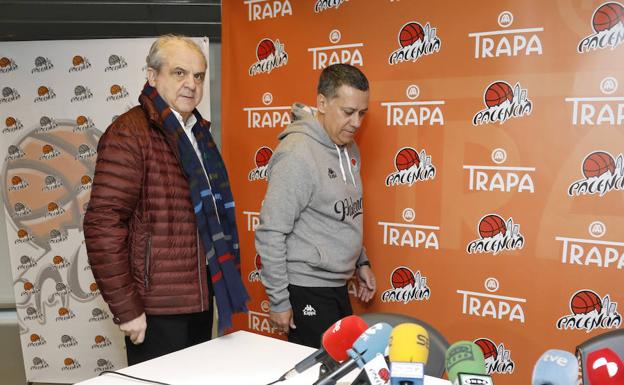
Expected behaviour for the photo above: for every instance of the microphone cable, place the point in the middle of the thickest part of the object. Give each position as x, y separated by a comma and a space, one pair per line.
133, 377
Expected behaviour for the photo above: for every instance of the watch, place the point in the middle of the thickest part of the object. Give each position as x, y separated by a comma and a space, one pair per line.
365, 263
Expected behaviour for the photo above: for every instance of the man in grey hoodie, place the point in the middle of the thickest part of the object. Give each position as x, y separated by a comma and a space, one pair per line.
310, 232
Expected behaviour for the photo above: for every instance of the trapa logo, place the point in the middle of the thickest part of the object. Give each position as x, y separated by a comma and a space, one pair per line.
507, 42
267, 9
336, 53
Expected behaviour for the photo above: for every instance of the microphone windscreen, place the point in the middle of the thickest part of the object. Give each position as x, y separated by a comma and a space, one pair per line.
373, 341
604, 367
409, 342
555, 367
464, 357
339, 337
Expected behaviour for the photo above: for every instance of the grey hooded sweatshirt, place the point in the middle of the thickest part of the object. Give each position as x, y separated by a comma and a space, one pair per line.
310, 231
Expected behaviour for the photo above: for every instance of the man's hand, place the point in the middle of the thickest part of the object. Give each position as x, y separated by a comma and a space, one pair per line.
366, 283
135, 329
282, 320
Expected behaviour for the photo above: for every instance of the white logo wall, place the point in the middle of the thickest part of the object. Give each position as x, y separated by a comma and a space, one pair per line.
56, 98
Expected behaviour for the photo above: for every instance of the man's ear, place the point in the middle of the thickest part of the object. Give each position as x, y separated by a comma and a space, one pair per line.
151, 76
321, 103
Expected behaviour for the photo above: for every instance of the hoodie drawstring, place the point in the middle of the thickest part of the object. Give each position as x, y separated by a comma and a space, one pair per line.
344, 177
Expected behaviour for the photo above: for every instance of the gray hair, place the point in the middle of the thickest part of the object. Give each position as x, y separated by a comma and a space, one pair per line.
154, 58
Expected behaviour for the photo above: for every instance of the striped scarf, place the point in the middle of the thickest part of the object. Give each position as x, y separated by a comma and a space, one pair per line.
214, 209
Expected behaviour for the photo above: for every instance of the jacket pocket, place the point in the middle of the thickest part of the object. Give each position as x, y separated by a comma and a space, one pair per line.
141, 256
322, 261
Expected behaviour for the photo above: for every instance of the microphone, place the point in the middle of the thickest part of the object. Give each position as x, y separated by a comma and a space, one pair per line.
372, 342
604, 367
555, 367
334, 344
466, 365
408, 351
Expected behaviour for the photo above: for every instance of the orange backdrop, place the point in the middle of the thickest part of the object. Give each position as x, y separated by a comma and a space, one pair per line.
491, 157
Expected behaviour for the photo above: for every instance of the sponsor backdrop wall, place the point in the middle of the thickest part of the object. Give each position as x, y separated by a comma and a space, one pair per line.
57, 97
491, 157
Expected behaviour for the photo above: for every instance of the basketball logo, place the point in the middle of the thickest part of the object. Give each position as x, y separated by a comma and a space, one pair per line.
99, 339
4, 62
42, 90
57, 260
497, 93
598, 163
63, 311
10, 121
487, 347
265, 48
85, 180
411, 33
16, 180
93, 287
406, 158
585, 301
607, 16
491, 225
115, 89
34, 338
77, 60
68, 361
81, 120
402, 277
28, 286
263, 155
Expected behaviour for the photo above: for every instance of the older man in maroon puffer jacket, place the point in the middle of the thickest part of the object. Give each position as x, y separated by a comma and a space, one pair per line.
140, 227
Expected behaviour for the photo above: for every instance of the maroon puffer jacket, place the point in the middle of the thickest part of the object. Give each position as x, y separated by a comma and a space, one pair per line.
139, 228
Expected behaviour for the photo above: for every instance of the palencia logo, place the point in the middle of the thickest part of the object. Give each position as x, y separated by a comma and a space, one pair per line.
12, 124
259, 321
7, 65
411, 167
592, 252
337, 53
487, 305
497, 357
500, 178
9, 95
269, 116
406, 286
590, 312
267, 9
348, 208
598, 110
410, 235
601, 174
415, 42
115, 63
270, 55
42, 64
414, 113
503, 103
496, 235
261, 159
507, 42
79, 63
44, 94
608, 28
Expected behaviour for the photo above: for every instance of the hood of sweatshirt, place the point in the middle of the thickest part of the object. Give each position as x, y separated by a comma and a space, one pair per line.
304, 122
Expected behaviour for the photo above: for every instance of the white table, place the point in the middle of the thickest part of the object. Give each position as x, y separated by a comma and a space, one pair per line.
240, 358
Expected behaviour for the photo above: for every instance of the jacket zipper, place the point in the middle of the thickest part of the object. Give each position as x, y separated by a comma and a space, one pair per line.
201, 289
148, 253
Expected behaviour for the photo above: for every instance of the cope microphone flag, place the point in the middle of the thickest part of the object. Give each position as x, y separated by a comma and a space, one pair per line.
408, 350
372, 342
555, 367
335, 342
465, 364
604, 367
